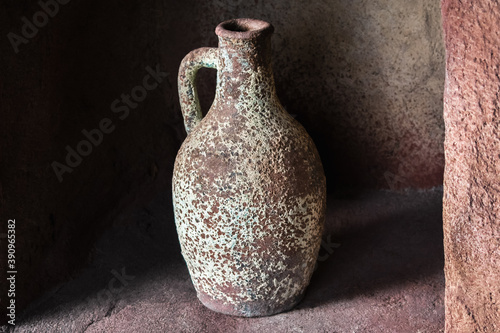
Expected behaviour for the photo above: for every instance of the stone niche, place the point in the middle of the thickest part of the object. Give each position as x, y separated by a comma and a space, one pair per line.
365, 78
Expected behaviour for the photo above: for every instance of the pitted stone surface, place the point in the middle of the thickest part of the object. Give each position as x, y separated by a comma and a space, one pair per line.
472, 173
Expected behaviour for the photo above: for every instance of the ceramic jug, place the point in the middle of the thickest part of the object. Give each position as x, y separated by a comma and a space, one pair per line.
249, 190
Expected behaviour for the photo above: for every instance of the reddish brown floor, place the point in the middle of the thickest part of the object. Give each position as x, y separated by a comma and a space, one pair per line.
380, 270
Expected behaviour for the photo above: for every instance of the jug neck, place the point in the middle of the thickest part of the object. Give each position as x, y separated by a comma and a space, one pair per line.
244, 66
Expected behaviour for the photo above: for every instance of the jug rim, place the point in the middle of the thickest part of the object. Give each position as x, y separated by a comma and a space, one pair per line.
243, 28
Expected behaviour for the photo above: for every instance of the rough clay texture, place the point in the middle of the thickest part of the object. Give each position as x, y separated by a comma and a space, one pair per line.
472, 184
248, 185
380, 270
363, 77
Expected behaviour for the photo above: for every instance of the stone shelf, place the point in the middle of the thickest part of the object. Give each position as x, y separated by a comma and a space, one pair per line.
380, 270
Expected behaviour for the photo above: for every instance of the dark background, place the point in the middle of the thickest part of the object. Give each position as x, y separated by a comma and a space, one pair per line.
365, 78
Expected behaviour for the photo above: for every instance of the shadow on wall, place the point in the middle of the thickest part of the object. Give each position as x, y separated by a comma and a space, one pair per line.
60, 90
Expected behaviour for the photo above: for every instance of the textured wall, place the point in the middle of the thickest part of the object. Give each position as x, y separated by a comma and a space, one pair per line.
63, 81
471, 183
363, 77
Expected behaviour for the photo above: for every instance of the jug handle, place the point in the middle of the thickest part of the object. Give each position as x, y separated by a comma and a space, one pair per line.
186, 80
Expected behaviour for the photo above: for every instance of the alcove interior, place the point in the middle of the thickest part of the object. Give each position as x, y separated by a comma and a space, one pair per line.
97, 247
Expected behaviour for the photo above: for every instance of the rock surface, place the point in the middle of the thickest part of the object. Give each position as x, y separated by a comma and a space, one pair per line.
379, 271
472, 183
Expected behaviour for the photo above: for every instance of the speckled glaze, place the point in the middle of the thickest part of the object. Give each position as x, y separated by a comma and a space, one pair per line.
249, 189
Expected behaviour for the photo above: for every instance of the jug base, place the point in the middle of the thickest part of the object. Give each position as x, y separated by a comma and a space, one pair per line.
249, 309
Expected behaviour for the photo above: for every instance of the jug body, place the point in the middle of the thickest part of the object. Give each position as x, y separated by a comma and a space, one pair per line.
249, 190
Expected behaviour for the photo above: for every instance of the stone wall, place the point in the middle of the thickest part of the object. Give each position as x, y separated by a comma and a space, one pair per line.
364, 77
471, 183
61, 82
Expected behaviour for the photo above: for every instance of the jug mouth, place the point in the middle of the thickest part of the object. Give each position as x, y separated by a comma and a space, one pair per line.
243, 28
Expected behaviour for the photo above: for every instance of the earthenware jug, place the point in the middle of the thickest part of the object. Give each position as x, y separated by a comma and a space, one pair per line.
249, 189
